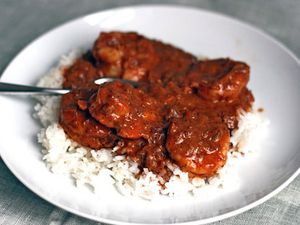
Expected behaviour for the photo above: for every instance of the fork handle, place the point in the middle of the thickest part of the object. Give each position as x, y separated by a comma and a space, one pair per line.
7, 88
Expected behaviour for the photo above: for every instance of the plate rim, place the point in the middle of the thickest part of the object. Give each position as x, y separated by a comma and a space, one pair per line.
235, 212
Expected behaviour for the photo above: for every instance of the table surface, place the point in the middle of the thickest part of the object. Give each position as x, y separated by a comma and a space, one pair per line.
23, 21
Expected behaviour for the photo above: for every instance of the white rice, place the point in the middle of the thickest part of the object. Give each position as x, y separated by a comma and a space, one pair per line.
98, 167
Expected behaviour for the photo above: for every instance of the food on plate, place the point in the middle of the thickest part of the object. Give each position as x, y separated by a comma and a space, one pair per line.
183, 109
177, 123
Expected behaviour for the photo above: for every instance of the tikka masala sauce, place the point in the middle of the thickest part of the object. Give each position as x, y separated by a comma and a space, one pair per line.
182, 110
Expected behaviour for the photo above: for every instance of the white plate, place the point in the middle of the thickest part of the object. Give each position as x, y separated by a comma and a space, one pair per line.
275, 81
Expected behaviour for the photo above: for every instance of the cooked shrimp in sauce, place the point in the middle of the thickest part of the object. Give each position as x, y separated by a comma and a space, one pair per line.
181, 112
